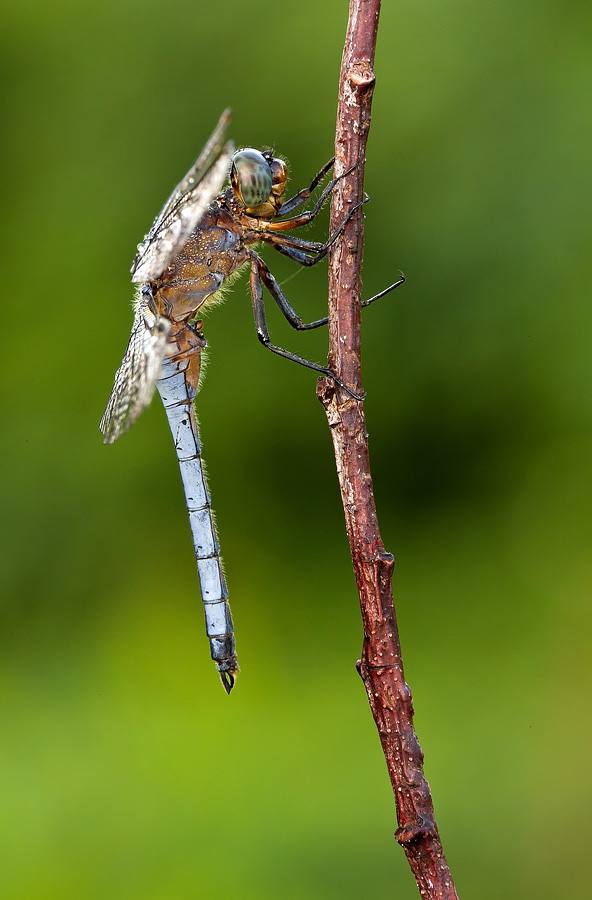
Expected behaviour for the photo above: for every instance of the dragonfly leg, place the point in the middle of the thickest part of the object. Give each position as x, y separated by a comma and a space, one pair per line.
280, 241
295, 321
400, 280
282, 301
299, 198
298, 249
260, 273
306, 217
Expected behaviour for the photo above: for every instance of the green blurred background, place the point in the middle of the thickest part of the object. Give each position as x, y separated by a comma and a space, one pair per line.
126, 772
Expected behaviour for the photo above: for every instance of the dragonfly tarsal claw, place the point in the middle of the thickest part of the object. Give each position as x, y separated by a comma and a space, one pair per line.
359, 397
343, 385
350, 170
400, 280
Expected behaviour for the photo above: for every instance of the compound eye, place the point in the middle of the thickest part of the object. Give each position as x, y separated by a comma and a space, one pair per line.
251, 177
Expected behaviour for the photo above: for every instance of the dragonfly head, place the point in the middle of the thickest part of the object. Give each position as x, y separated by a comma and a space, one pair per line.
259, 181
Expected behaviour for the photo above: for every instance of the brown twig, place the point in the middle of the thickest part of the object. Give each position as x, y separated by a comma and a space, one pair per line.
381, 666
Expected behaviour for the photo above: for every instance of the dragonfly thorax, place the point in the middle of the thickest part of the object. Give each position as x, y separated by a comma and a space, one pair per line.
259, 182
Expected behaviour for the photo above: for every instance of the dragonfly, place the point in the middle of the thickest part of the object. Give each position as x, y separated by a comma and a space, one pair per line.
201, 238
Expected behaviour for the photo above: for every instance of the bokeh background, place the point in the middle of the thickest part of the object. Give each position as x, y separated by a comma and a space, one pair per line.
126, 771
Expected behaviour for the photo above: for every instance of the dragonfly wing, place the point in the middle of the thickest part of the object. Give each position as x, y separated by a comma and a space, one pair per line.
185, 207
135, 380
199, 167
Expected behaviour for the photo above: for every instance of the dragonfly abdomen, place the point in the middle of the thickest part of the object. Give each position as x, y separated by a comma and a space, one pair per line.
177, 388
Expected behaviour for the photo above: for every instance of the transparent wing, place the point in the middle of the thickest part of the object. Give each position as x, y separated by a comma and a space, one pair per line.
135, 380
185, 207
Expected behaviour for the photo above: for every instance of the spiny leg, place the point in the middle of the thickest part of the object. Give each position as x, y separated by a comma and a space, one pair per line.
297, 248
306, 217
282, 301
255, 278
292, 317
299, 198
400, 280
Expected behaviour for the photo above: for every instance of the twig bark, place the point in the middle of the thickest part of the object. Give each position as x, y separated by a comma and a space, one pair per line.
381, 666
